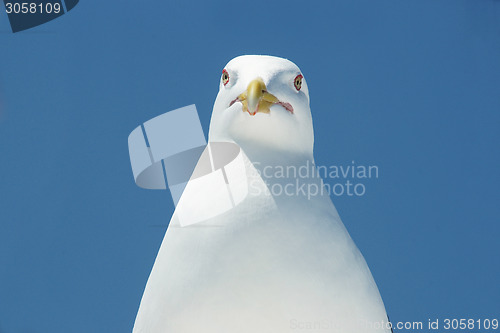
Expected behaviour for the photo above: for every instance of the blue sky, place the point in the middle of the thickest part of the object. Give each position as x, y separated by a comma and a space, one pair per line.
412, 87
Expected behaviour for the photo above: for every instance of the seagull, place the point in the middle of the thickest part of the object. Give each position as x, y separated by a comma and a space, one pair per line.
279, 261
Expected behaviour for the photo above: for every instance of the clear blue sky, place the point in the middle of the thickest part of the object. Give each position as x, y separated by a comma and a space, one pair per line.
410, 86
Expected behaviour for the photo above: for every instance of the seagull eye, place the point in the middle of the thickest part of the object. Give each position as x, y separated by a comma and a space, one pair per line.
297, 82
225, 77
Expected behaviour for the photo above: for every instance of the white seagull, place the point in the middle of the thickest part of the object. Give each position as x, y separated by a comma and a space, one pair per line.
281, 260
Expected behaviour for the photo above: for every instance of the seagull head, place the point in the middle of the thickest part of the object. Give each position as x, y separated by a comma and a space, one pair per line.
263, 103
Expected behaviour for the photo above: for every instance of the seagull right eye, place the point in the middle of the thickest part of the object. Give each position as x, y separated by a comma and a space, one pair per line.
297, 82
225, 77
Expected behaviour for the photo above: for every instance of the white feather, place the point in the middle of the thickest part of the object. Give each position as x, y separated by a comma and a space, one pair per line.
282, 263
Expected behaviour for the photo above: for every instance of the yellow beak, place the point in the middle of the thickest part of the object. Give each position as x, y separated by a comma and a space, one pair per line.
256, 98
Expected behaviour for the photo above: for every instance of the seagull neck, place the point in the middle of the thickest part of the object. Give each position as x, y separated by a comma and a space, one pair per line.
287, 172
276, 159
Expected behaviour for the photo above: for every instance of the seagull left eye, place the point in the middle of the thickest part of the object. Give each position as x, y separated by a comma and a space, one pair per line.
297, 82
225, 77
